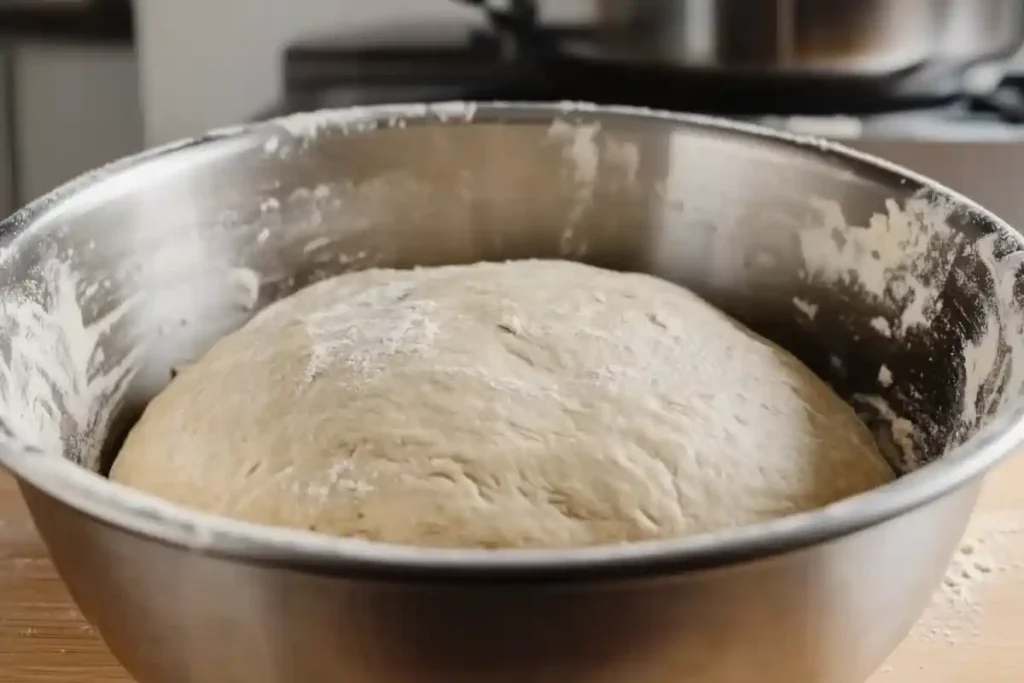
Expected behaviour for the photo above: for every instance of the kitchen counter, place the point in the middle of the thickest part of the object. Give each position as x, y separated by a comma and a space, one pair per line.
971, 632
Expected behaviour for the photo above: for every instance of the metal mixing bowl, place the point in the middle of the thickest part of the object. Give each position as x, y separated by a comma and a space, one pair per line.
901, 293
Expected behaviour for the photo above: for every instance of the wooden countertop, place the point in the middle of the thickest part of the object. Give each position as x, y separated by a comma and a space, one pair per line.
970, 633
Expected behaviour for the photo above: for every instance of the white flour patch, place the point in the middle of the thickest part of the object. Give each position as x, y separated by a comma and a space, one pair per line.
902, 262
349, 259
54, 377
453, 111
368, 328
899, 438
884, 259
980, 360
882, 326
624, 156
314, 224
588, 152
885, 376
806, 307
245, 285
534, 388
580, 150
308, 126
837, 363
990, 551
318, 243
994, 357
340, 477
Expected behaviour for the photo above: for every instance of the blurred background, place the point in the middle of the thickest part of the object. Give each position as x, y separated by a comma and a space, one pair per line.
934, 84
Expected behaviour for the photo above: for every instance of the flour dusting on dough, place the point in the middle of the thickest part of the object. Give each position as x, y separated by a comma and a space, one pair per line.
659, 400
368, 327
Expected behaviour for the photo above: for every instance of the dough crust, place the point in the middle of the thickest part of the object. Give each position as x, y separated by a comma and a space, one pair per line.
520, 404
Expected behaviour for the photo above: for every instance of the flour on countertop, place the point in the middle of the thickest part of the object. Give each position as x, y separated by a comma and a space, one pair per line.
990, 551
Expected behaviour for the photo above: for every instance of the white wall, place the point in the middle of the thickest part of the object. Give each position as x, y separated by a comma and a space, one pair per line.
56, 142
208, 63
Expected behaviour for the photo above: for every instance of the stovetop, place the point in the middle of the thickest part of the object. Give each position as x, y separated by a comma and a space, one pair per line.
445, 61
973, 144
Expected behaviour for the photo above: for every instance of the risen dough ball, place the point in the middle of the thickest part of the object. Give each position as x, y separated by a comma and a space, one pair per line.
523, 404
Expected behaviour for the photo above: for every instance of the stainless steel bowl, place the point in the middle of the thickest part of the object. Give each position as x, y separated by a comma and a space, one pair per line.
111, 281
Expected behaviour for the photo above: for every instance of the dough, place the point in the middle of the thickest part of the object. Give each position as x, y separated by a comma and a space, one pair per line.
520, 404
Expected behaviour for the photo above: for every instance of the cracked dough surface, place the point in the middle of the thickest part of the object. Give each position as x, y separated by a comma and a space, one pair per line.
521, 404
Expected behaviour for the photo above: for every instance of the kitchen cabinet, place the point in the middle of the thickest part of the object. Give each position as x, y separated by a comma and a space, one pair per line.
66, 109
69, 93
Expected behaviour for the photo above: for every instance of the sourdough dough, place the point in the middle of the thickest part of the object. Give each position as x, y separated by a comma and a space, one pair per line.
522, 404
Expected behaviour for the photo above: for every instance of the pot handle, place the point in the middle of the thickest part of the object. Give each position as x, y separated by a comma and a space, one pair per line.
513, 15
515, 19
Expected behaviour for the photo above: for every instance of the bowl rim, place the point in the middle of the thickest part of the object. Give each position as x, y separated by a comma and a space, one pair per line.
146, 516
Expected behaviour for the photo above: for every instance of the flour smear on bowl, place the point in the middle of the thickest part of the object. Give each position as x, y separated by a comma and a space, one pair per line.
894, 263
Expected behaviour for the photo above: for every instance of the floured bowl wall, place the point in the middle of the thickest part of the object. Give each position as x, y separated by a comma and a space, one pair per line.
906, 303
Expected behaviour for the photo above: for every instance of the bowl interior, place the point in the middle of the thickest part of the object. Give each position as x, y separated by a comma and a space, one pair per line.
903, 296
